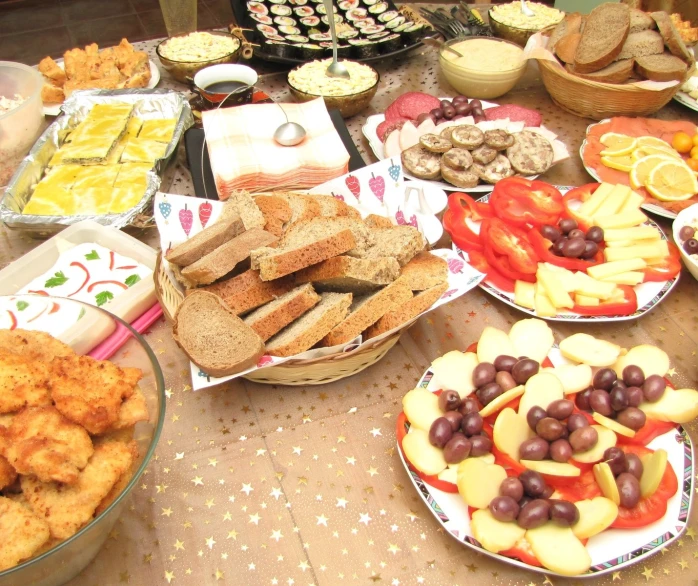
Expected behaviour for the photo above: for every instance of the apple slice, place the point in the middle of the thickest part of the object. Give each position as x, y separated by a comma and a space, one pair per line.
650, 359
494, 535
421, 408
421, 454
653, 467
552, 468
478, 482
493, 343
532, 338
503, 399
391, 146
559, 550
574, 377
541, 389
586, 349
450, 474
613, 425
409, 136
607, 439
595, 516
510, 431
680, 406
454, 370
426, 126
607, 482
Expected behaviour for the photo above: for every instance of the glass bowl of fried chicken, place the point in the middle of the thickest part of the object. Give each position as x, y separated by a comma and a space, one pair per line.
82, 404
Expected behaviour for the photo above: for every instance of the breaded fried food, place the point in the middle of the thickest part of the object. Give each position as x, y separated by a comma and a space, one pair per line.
67, 508
43, 442
133, 410
33, 345
21, 531
114, 492
7, 473
90, 392
23, 383
49, 68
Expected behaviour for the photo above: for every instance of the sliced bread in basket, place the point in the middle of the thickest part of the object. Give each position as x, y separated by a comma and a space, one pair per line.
311, 327
605, 31
616, 72
662, 67
276, 315
672, 37
425, 271
242, 203
226, 227
213, 337
276, 211
400, 242
299, 232
350, 275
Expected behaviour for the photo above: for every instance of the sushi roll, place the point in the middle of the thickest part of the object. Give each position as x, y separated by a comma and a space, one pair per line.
371, 2
344, 51
322, 10
289, 30
378, 8
273, 37
348, 4
395, 22
372, 29
298, 2
310, 51
348, 34
357, 14
283, 21
266, 29
362, 24
376, 36
262, 18
389, 15
414, 33
279, 49
277, 1
338, 19
363, 48
303, 11
257, 8
281, 10
319, 37
390, 43
297, 39
403, 27
310, 21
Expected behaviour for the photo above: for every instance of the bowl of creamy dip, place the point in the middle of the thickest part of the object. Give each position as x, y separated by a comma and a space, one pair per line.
489, 67
183, 56
508, 22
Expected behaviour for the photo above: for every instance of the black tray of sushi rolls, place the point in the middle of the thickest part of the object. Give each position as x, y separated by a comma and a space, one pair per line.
297, 31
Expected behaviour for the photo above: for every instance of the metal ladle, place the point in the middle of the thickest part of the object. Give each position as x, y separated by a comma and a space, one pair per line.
289, 133
335, 69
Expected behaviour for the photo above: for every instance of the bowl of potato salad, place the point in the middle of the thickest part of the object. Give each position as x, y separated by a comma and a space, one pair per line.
350, 96
508, 22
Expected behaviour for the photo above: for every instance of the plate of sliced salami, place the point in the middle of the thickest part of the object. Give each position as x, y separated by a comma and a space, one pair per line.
456, 143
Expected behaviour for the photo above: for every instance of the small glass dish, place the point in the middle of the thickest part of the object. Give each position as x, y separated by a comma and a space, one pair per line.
184, 71
518, 35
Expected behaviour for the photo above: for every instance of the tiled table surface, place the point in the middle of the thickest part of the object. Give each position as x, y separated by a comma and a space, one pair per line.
253, 484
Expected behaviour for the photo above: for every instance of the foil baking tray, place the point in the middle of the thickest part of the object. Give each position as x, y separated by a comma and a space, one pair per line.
148, 104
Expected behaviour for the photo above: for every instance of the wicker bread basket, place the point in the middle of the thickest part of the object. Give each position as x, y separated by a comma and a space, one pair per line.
593, 99
315, 371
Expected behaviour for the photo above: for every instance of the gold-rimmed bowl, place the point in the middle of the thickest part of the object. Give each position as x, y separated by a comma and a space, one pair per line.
184, 71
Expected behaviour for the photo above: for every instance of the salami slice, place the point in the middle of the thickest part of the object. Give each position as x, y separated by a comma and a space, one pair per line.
498, 169
421, 163
387, 126
515, 114
392, 113
412, 104
531, 153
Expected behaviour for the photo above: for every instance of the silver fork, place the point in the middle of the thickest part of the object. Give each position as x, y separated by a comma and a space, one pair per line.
457, 28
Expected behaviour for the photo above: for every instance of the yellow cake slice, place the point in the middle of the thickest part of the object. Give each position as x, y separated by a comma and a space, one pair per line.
124, 198
96, 176
142, 150
93, 200
161, 129
114, 110
48, 200
62, 176
133, 127
132, 174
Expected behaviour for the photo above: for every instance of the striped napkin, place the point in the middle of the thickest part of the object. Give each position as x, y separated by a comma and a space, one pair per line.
244, 154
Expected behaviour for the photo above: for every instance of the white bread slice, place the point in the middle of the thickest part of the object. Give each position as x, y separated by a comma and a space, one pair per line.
276, 315
350, 275
311, 327
206, 241
213, 337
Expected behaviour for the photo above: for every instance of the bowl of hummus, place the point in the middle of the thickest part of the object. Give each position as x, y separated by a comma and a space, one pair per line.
349, 96
183, 56
489, 67
508, 22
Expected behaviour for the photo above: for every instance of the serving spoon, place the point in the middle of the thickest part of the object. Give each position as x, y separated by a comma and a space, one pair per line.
437, 43
335, 69
526, 10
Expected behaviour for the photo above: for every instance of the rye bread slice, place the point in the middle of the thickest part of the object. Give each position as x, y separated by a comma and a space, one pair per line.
246, 291
213, 337
407, 311
300, 232
425, 271
664, 67
311, 327
605, 31
376, 221
223, 259
640, 21
672, 37
367, 311
350, 275
242, 203
276, 315
276, 211
400, 242
206, 241
566, 47
572, 23
616, 72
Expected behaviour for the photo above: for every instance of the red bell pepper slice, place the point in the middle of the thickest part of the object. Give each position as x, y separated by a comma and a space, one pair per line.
653, 428
581, 193
626, 307
522, 555
494, 277
542, 247
667, 270
520, 202
510, 243
476, 210
461, 234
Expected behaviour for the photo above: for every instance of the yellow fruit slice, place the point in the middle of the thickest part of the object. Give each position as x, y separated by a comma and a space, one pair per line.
645, 151
640, 171
617, 144
652, 141
622, 163
672, 181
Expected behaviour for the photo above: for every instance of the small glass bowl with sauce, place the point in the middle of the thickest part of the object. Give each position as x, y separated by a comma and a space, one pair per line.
489, 68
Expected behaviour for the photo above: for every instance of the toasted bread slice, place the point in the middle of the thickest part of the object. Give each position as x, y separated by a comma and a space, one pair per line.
52, 94
276, 315
664, 67
350, 275
213, 337
311, 327
616, 72
49, 68
605, 31
424, 271
206, 241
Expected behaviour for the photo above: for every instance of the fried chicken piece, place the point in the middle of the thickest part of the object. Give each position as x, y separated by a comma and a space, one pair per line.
7, 473
67, 508
33, 345
23, 383
49, 68
107, 83
133, 410
51, 94
135, 62
104, 68
43, 442
23, 533
74, 61
90, 392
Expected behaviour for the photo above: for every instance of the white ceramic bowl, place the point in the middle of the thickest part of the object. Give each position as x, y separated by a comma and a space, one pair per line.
685, 217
